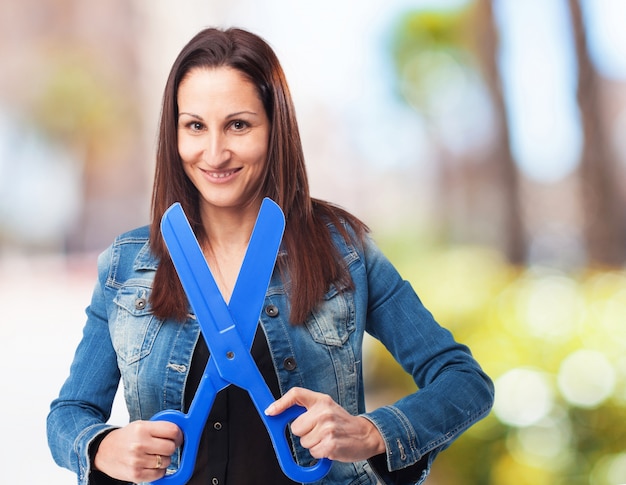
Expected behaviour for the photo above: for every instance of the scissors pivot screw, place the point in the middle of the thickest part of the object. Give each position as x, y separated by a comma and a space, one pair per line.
230, 355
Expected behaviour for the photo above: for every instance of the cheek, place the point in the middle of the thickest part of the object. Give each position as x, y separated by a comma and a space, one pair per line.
257, 151
187, 149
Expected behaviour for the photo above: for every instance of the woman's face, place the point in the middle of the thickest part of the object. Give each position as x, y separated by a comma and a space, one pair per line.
223, 134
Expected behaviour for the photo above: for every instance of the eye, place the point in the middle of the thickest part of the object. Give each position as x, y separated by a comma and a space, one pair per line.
195, 126
239, 125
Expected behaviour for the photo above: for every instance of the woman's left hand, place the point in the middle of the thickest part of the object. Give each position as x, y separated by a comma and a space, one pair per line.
327, 430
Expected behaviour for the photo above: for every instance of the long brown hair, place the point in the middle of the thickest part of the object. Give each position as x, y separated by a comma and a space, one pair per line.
312, 262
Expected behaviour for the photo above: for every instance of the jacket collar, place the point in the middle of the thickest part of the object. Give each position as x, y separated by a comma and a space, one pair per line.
146, 259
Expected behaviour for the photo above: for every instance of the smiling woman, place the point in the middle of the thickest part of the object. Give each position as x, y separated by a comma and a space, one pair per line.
228, 139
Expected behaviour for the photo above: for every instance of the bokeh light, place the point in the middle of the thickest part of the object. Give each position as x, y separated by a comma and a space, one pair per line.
553, 341
523, 397
551, 307
544, 444
586, 378
610, 470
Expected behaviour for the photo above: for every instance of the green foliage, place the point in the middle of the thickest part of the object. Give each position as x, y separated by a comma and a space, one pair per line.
554, 345
428, 30
431, 48
78, 104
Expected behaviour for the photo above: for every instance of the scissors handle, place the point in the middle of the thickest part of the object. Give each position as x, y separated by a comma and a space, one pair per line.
239, 368
191, 425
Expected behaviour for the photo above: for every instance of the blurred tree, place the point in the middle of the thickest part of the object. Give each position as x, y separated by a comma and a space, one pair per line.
605, 223
83, 109
437, 53
500, 164
72, 70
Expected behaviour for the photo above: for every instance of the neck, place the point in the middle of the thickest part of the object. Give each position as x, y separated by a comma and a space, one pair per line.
227, 236
226, 227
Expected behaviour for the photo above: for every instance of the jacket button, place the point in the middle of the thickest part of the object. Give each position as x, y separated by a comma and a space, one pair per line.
140, 303
271, 310
290, 363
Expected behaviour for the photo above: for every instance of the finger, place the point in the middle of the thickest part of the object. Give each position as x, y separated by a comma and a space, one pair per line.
150, 474
161, 446
173, 433
282, 403
166, 437
295, 396
314, 425
154, 462
165, 430
319, 450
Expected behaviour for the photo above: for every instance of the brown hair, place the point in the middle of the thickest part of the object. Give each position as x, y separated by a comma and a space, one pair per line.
312, 262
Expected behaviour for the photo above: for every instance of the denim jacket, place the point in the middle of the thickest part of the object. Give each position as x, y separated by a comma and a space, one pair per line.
122, 339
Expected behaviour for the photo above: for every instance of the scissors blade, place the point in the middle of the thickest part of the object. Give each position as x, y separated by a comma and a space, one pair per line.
214, 317
246, 301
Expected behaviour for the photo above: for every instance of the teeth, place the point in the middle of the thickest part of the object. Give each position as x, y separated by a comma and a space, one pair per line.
221, 175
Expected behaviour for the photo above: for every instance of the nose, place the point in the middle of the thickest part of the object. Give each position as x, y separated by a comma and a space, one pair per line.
215, 151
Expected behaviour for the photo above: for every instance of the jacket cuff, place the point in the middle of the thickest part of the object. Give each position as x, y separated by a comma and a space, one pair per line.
96, 477
402, 463
83, 448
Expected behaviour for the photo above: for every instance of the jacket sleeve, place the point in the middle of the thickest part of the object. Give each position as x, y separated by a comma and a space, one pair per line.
79, 415
453, 394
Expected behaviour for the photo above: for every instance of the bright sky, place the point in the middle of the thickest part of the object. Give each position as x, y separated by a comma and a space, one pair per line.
539, 70
538, 67
606, 20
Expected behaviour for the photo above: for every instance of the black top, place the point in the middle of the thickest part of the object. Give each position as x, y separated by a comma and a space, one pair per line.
235, 447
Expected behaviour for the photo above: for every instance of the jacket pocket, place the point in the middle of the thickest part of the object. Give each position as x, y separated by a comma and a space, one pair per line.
332, 322
133, 328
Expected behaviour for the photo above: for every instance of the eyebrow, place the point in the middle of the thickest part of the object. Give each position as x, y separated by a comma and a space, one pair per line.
198, 117
232, 115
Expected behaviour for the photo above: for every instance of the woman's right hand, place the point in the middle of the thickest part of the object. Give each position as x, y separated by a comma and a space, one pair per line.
138, 452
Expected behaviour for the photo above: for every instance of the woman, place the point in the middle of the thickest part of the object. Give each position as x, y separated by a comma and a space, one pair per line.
228, 137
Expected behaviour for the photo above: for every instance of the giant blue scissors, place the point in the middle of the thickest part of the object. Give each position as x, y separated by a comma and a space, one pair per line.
229, 332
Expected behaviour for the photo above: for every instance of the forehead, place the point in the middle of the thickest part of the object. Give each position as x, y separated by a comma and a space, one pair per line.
223, 84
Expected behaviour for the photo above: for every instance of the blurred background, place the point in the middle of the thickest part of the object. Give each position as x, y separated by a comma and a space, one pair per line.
482, 141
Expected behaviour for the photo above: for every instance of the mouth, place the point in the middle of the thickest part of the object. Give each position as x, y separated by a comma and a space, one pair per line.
220, 175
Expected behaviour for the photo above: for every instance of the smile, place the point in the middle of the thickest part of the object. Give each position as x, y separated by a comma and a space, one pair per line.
221, 175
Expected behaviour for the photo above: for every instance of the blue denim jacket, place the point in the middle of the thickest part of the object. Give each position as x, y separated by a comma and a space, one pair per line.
123, 339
